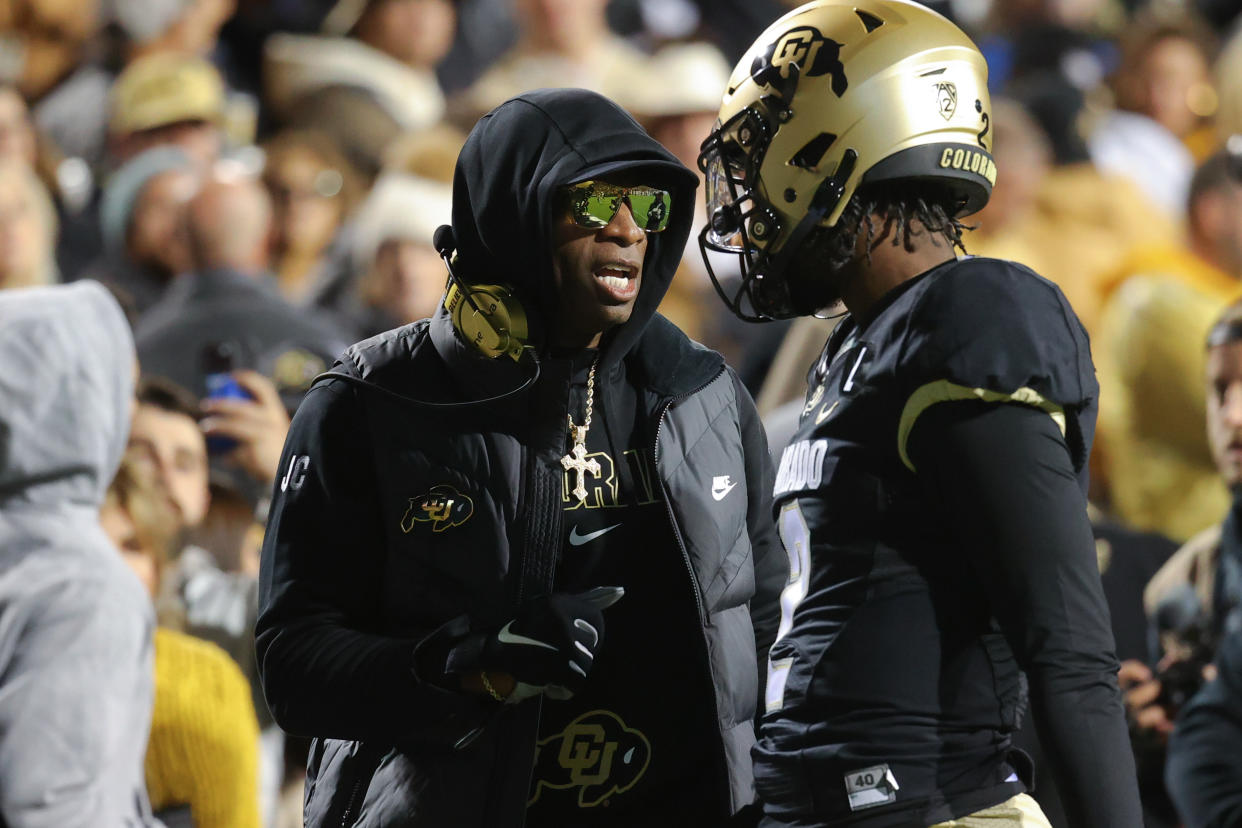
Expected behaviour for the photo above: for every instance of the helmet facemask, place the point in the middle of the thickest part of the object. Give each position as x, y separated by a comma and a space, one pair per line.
727, 165
741, 220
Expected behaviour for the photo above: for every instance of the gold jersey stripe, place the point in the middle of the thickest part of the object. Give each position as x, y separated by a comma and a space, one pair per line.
946, 391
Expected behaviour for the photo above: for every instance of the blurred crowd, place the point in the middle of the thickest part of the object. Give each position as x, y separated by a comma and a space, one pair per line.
257, 182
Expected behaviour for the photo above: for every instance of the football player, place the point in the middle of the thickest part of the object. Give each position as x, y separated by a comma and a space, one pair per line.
932, 502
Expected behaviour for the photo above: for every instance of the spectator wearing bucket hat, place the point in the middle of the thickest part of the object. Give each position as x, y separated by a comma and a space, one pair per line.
162, 99
167, 99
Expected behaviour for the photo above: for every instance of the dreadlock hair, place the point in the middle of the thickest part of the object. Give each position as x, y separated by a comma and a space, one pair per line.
887, 210
900, 210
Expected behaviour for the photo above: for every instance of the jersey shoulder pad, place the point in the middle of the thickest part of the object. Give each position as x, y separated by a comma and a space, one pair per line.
995, 327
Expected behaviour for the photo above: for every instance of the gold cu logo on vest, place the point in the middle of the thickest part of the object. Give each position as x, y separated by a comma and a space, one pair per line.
443, 507
596, 755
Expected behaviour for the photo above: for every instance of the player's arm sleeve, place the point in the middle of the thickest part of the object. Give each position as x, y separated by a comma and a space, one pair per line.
770, 561
1003, 478
329, 666
1204, 768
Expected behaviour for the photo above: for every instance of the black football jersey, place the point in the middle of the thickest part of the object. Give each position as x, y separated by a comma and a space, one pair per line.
891, 692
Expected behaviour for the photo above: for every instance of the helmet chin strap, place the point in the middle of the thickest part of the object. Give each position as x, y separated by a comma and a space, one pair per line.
825, 200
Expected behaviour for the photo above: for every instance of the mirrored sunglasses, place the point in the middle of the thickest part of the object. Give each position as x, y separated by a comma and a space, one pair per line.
595, 203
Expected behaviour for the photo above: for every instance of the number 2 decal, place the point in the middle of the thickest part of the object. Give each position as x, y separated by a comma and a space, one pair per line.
796, 538
987, 123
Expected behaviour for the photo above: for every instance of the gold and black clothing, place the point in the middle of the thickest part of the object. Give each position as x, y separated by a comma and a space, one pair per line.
424, 509
632, 746
932, 503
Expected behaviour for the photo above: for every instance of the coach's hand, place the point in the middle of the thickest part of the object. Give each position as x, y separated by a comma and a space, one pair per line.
550, 644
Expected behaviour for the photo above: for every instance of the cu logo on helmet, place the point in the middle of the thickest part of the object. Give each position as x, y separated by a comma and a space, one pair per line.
815, 55
443, 507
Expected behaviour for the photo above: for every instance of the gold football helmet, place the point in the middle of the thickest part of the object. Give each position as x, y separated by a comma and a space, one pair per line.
832, 96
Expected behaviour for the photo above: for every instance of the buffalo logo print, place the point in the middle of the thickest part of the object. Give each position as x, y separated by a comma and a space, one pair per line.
595, 757
442, 507
946, 98
815, 55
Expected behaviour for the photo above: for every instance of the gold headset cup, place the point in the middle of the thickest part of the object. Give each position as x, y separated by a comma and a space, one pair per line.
497, 328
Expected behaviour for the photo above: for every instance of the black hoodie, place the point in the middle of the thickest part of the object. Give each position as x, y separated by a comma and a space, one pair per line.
365, 615
504, 193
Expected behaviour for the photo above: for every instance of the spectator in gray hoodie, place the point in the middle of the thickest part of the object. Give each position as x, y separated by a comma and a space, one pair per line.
76, 669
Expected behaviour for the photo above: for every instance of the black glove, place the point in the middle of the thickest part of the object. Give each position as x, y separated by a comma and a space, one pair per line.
551, 643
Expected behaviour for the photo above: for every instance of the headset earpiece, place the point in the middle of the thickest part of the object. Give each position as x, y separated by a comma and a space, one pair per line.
490, 318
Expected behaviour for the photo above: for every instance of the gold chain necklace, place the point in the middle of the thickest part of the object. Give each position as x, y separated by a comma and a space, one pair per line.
575, 460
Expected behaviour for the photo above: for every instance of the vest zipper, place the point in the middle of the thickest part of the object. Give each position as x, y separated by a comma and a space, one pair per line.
349, 805
668, 504
694, 579
368, 763
685, 556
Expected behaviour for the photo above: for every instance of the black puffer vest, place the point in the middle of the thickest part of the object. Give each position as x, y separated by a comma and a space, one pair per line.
497, 506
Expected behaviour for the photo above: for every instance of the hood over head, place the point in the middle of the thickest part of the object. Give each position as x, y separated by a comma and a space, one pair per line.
504, 195
66, 379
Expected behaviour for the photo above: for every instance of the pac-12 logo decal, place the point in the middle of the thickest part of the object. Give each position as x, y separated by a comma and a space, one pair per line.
815, 55
946, 98
596, 755
442, 507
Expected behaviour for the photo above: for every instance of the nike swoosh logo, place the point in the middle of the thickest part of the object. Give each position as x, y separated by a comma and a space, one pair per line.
719, 494
577, 540
506, 637
826, 413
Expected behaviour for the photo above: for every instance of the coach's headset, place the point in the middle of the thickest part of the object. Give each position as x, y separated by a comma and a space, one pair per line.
489, 319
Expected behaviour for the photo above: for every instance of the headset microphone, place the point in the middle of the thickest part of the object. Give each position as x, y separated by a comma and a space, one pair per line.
495, 324
445, 242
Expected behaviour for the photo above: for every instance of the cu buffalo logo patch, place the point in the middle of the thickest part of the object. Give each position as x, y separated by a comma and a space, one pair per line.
595, 757
815, 55
442, 507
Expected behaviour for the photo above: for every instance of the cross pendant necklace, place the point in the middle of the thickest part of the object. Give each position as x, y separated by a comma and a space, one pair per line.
575, 460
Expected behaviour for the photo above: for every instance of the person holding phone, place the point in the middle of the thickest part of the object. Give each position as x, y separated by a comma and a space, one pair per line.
464, 501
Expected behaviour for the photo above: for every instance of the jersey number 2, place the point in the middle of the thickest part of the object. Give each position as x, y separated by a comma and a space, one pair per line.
796, 538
